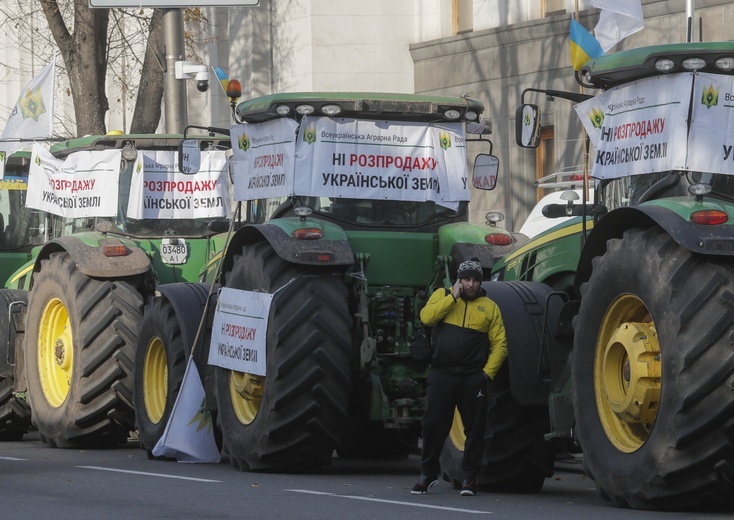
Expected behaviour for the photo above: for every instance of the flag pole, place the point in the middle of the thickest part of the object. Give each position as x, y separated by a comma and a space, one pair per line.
690, 26
585, 156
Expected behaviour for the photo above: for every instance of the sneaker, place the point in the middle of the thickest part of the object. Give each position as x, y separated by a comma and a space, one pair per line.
469, 488
425, 482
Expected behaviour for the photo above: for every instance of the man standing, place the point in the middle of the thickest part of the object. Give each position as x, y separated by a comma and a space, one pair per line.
469, 348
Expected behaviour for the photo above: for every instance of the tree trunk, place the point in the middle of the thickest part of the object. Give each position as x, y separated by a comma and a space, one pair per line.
150, 91
85, 55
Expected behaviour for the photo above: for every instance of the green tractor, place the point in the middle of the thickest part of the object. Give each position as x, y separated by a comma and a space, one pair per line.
356, 209
21, 229
644, 274
119, 220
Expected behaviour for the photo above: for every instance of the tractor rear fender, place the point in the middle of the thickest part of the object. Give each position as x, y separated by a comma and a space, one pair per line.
486, 254
706, 240
188, 301
464, 240
530, 360
91, 261
332, 250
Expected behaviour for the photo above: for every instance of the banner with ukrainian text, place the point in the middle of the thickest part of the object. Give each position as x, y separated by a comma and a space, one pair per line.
159, 191
239, 331
381, 160
638, 128
262, 159
711, 140
82, 185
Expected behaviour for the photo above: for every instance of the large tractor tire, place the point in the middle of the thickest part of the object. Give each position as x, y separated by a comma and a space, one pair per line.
160, 364
15, 414
292, 418
652, 375
166, 336
517, 458
80, 340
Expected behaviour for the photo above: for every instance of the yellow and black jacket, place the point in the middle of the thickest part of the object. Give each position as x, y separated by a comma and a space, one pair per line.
470, 335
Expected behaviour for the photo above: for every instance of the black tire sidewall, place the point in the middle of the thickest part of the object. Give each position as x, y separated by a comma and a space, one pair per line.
159, 321
613, 275
52, 422
259, 445
104, 316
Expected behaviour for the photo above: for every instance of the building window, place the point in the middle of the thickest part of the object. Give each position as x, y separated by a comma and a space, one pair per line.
545, 158
551, 7
462, 19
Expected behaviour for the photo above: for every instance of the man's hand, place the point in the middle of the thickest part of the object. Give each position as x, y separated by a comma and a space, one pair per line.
456, 290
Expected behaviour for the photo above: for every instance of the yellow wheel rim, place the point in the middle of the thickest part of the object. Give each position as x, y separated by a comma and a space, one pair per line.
627, 373
246, 394
55, 352
456, 434
155, 380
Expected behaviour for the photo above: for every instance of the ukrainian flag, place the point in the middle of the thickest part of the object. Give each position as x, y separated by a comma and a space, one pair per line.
584, 46
223, 77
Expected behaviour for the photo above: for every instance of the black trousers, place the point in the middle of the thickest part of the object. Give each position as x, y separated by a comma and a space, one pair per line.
444, 392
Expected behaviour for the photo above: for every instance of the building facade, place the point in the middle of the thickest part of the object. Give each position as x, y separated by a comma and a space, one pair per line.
491, 50
495, 62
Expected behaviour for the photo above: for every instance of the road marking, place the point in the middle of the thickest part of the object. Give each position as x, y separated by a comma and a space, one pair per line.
398, 502
11, 458
162, 475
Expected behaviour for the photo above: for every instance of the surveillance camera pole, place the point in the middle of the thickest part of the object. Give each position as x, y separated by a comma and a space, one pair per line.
174, 91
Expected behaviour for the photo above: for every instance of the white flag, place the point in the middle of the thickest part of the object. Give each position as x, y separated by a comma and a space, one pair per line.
618, 19
189, 433
32, 116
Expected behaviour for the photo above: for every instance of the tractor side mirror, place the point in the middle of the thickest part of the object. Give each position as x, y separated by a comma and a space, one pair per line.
527, 126
486, 169
189, 156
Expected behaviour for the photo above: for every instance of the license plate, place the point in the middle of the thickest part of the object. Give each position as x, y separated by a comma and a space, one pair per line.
174, 252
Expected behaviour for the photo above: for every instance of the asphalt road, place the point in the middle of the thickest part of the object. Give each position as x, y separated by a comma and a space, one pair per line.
37, 482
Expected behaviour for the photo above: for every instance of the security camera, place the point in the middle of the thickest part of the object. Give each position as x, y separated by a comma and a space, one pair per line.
189, 70
202, 81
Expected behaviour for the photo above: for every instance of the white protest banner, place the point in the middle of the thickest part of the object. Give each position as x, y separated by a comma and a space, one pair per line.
240, 330
159, 191
639, 127
82, 185
263, 157
381, 160
711, 138
189, 433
